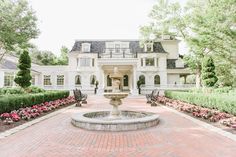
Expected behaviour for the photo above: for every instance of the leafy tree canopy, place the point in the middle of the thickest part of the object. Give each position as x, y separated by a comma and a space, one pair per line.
207, 27
17, 25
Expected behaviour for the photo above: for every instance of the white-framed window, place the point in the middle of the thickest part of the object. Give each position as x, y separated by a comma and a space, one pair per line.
60, 80
148, 47
77, 61
86, 47
157, 80
92, 80
149, 61
142, 79
110, 45
8, 79
141, 62
85, 62
93, 62
33, 80
157, 62
47, 80
124, 45
77, 80
126, 80
117, 48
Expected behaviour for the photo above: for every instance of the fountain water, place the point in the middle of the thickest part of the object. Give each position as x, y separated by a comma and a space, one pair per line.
115, 120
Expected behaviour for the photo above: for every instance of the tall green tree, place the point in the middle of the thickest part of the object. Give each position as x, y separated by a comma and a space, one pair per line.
208, 72
205, 26
63, 59
17, 25
48, 58
23, 76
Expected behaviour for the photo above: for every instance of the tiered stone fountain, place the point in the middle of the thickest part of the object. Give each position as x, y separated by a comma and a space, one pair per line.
115, 120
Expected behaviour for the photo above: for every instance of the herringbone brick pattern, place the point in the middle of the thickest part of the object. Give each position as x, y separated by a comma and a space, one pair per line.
175, 136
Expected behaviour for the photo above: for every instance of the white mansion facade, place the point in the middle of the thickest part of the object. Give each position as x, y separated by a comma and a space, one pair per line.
157, 64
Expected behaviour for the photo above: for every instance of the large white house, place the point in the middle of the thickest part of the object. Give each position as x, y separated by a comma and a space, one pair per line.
157, 64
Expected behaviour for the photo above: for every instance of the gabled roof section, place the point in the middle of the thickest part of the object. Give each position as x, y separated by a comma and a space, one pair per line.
6, 64
98, 46
157, 47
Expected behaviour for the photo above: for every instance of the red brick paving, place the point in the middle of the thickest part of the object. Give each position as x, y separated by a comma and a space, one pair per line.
175, 136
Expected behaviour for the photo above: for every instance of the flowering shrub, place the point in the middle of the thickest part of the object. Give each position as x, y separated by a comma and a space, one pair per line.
32, 112
230, 122
200, 112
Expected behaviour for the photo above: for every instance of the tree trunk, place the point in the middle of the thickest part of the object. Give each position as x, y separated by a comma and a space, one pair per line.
198, 78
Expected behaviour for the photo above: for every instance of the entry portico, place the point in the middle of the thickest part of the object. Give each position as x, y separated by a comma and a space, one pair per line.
128, 71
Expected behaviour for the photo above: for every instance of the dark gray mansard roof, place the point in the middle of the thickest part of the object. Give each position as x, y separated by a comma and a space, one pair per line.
98, 46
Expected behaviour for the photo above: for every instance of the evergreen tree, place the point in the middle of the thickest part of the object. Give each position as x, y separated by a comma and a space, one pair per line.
23, 77
208, 72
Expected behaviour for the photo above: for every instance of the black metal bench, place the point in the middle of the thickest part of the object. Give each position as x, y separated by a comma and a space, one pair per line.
80, 97
152, 98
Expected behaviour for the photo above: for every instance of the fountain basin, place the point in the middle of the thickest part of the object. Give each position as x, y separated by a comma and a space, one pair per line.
129, 120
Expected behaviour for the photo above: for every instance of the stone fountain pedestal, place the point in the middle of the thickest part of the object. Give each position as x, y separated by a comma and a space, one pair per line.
115, 101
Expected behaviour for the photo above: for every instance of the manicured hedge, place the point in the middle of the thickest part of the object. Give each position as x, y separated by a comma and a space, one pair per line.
222, 102
16, 101
18, 90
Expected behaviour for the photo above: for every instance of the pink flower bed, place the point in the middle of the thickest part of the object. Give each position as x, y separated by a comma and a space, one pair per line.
200, 112
34, 111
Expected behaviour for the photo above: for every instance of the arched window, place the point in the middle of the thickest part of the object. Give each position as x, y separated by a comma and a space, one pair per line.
157, 80
126, 80
92, 79
142, 79
108, 80
77, 80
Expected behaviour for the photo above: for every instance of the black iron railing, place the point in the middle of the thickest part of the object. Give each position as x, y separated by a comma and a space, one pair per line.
117, 53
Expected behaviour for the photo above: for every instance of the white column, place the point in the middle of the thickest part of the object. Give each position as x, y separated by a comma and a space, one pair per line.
101, 80
1, 79
163, 71
134, 91
155, 62
144, 62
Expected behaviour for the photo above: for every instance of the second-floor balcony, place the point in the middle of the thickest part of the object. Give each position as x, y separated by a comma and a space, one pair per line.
117, 53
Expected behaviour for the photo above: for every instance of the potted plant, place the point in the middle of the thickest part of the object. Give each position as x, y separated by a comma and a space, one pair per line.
139, 83
96, 87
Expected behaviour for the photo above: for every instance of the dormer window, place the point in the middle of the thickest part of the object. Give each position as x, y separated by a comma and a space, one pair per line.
148, 47
86, 47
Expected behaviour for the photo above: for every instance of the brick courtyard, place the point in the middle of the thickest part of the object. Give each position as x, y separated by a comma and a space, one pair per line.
175, 136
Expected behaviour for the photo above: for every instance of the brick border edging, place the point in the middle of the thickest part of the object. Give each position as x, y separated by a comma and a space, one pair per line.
204, 124
30, 123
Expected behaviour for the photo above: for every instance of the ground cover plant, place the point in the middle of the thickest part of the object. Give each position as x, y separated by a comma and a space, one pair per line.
21, 115
10, 102
215, 106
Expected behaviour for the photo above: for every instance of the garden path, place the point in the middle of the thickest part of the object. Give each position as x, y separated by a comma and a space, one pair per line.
175, 136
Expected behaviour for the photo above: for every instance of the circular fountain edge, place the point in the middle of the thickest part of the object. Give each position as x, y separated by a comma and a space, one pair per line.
81, 121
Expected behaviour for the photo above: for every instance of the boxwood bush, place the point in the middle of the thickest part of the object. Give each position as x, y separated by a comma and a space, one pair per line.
16, 101
223, 102
10, 90
19, 90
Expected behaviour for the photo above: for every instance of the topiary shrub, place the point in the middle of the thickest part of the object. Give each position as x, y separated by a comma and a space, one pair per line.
208, 72
23, 76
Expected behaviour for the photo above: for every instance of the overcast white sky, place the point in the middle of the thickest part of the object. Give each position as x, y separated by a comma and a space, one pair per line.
61, 22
